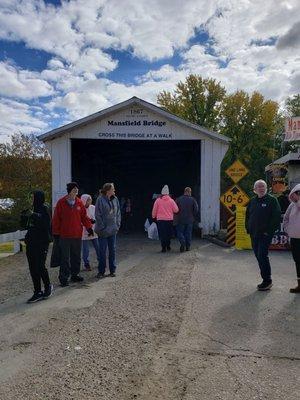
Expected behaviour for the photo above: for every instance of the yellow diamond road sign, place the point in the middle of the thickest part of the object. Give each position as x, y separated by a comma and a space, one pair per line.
237, 171
234, 197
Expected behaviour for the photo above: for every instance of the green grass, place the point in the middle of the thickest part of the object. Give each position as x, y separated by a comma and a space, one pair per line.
6, 247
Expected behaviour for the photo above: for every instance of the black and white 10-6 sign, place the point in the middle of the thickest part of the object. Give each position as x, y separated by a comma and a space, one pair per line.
234, 197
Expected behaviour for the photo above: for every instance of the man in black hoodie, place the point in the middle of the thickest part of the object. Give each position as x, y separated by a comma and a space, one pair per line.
262, 220
37, 223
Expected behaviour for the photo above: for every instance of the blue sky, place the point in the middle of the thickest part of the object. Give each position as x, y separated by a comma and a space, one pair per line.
62, 60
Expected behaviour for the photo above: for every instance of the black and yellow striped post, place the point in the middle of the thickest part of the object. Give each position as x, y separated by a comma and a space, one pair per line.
231, 227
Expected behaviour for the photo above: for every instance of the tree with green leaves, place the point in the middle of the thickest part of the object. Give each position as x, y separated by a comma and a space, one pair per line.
292, 106
24, 166
197, 100
251, 122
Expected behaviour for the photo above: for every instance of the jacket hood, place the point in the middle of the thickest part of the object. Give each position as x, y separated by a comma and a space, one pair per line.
295, 189
84, 198
38, 200
165, 197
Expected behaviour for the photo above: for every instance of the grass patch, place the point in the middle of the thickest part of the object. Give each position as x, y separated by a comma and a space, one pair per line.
6, 247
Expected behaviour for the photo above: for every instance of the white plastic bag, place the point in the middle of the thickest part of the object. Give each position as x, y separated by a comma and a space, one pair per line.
153, 232
146, 225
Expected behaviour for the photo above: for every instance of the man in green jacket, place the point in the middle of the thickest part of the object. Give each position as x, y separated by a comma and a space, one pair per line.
262, 220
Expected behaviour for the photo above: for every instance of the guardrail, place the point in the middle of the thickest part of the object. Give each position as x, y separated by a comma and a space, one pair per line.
13, 237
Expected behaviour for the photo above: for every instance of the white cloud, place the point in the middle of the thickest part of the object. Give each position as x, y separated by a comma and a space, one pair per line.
241, 52
152, 29
40, 27
18, 117
23, 84
95, 61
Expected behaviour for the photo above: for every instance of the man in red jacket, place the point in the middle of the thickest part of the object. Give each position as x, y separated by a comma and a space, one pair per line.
67, 222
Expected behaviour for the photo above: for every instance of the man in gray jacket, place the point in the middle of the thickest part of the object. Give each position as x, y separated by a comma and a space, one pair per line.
108, 221
188, 209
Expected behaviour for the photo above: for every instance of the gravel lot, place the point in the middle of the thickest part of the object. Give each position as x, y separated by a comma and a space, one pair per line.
169, 326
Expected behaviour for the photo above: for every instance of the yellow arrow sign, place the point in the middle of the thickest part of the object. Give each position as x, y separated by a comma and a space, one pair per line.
234, 197
237, 171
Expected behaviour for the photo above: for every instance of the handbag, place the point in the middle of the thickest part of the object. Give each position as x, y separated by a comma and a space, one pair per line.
56, 253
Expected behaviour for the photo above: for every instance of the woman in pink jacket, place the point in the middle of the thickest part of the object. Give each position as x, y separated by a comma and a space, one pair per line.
291, 225
163, 211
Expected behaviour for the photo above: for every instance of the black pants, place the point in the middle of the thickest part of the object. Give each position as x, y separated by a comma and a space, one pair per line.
70, 252
127, 222
165, 233
295, 246
260, 245
36, 255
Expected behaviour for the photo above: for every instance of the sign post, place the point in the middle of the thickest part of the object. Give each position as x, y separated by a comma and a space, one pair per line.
234, 197
237, 171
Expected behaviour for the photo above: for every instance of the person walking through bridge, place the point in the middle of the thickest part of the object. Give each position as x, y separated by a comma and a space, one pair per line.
163, 211
188, 209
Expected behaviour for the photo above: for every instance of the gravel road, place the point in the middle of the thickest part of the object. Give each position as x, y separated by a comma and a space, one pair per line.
169, 326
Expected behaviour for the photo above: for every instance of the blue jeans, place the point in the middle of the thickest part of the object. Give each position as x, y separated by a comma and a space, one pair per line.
86, 250
260, 245
109, 242
184, 234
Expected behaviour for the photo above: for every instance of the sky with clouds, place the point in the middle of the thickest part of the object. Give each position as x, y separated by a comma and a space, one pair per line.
62, 60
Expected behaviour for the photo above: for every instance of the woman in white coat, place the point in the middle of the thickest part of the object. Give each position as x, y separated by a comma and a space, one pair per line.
291, 225
87, 240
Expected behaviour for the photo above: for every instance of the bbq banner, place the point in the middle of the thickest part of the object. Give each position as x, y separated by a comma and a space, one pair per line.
280, 240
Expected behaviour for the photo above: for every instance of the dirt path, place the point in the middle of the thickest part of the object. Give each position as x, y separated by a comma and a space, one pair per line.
170, 326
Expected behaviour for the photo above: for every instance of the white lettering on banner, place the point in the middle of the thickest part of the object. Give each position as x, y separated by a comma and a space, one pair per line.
122, 135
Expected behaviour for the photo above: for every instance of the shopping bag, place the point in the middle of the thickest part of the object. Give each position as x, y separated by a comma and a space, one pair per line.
153, 232
56, 255
146, 225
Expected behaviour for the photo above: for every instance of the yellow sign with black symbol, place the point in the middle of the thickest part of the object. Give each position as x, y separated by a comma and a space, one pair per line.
234, 197
237, 171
